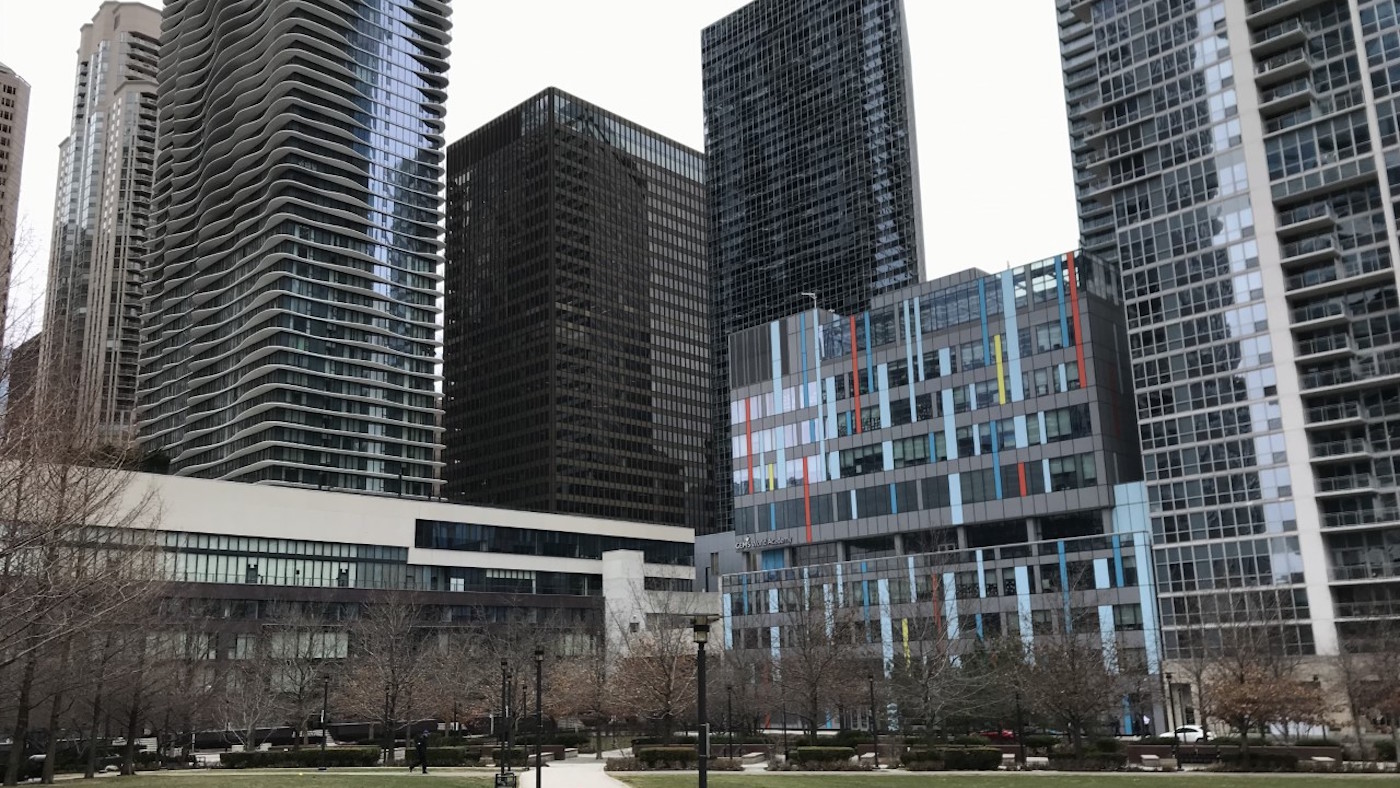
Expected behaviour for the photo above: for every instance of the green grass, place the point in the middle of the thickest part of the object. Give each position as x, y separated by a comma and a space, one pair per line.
298, 778
1030, 780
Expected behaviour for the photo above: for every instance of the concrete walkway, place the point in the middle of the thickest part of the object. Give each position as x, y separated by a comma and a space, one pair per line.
572, 773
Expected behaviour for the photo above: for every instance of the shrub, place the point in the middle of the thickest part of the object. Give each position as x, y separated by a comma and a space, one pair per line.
1089, 762
1385, 750
668, 757
1041, 741
969, 759
625, 764
300, 759
1108, 745
1258, 762
726, 765
971, 741
1162, 740
650, 741
806, 755
925, 765
1316, 742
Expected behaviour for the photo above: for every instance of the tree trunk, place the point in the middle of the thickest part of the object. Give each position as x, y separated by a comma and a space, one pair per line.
1244, 727
51, 748
133, 722
21, 730
90, 770
598, 751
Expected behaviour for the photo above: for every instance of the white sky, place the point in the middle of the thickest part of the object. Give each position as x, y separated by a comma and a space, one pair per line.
995, 175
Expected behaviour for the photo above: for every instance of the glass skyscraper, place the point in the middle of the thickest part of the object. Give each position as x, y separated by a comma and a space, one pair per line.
577, 344
292, 281
1238, 161
809, 133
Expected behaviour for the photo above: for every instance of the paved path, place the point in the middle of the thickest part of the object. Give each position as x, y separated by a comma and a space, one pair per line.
572, 773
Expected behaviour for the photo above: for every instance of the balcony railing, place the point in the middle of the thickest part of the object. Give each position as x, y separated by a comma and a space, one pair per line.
1326, 344
1282, 61
1305, 213
1322, 311
1353, 481
1358, 518
1336, 412
1307, 246
1381, 571
1340, 447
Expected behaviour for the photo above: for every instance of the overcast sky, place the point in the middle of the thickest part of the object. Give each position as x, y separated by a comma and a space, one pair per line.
996, 183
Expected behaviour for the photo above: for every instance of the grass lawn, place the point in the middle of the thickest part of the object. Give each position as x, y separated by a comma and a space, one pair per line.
1029, 780
298, 778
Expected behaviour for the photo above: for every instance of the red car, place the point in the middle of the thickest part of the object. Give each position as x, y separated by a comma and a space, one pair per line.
999, 737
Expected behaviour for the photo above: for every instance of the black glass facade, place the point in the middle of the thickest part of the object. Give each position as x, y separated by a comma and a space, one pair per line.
809, 131
479, 538
577, 341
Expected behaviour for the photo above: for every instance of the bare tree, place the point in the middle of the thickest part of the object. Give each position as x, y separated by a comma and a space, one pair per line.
388, 665
658, 660
587, 686
817, 659
300, 647
1369, 665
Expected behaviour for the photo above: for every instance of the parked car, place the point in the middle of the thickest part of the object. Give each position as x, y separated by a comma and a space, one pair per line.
1190, 734
1002, 736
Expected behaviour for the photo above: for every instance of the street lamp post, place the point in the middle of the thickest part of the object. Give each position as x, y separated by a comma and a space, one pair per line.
388, 731
702, 636
1175, 721
539, 715
874, 720
729, 720
325, 702
505, 701
1020, 732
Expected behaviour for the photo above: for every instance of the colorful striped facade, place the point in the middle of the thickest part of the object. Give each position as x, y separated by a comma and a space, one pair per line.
962, 455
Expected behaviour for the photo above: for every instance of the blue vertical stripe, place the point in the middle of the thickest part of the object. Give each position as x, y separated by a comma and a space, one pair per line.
1013, 334
869, 345
996, 459
802, 349
986, 335
918, 339
1118, 559
909, 363
1060, 296
775, 342
894, 502
772, 516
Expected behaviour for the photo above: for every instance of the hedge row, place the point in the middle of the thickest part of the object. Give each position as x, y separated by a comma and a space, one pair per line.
668, 757
823, 754
300, 759
1258, 762
1089, 762
958, 759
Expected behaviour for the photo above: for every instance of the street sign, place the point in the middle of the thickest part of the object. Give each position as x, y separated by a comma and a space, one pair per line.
704, 745
508, 780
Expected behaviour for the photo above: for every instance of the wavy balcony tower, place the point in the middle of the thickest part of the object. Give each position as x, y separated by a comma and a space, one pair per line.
290, 330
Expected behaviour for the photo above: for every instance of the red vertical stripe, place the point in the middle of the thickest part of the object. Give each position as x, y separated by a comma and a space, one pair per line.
748, 441
806, 500
1078, 331
1021, 472
855, 370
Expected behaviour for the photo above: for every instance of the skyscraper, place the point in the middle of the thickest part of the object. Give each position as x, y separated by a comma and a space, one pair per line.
813, 181
1239, 162
577, 337
14, 114
291, 302
92, 310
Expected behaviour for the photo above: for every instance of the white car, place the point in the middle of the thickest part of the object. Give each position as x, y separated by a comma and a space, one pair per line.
1189, 734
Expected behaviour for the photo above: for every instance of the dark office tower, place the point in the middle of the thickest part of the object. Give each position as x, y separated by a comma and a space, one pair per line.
291, 309
1239, 163
809, 134
577, 356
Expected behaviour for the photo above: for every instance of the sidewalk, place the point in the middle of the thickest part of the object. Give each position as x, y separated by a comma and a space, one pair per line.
572, 773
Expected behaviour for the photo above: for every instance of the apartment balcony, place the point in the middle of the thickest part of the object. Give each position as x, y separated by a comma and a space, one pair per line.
1288, 96
1360, 373
1290, 32
1345, 485
1335, 277
1321, 348
1337, 415
1365, 611
1260, 13
1081, 76
1385, 571
1310, 218
1360, 519
1313, 249
1329, 177
1288, 65
1339, 450
1082, 9
1320, 315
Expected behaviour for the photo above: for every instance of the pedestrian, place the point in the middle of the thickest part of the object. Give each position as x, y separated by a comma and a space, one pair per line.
421, 750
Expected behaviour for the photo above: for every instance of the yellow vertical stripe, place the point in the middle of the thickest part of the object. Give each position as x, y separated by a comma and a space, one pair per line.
1001, 374
904, 626
771, 485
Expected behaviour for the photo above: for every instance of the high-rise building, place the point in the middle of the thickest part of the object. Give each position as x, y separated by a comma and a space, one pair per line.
813, 181
964, 449
92, 310
577, 344
291, 310
14, 114
1239, 163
